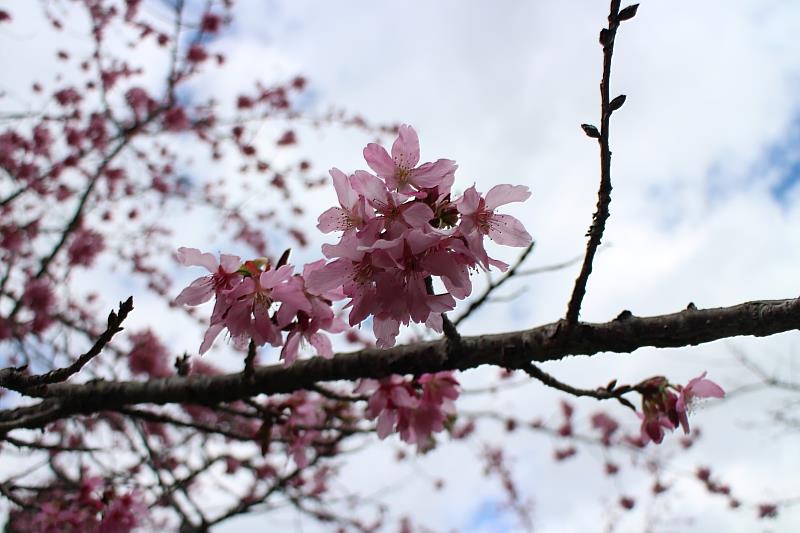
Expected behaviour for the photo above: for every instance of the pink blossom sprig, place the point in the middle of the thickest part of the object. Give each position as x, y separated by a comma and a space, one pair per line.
666, 406
257, 302
414, 408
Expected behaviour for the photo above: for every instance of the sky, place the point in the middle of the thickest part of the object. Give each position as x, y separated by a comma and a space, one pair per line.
705, 207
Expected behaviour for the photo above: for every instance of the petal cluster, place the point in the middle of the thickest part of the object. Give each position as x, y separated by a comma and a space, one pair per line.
259, 303
402, 228
415, 409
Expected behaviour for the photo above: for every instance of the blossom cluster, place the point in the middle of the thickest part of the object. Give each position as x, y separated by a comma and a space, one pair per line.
95, 507
667, 406
415, 409
246, 295
401, 228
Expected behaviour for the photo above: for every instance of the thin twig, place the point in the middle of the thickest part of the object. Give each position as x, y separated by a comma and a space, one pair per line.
14, 379
599, 393
595, 234
514, 270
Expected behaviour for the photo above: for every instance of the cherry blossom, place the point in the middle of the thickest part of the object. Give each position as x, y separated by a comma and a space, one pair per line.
698, 387
400, 170
351, 215
223, 275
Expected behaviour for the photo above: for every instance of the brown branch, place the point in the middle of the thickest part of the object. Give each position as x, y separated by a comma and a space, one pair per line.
508, 350
600, 393
14, 379
595, 234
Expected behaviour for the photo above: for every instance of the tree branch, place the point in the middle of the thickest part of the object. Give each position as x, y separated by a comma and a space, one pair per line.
475, 304
599, 393
508, 350
14, 379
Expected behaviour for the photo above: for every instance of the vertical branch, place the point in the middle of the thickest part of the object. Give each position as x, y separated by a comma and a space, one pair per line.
608, 106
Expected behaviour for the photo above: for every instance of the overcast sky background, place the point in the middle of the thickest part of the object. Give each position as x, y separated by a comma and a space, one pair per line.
706, 209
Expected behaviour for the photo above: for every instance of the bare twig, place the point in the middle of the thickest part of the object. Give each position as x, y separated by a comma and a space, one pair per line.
14, 379
595, 234
514, 270
600, 393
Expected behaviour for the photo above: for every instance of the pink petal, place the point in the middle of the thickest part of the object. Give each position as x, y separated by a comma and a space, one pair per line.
705, 388
507, 230
308, 268
230, 263
386, 422
434, 322
401, 398
405, 150
334, 219
432, 175
211, 334
264, 330
322, 344
271, 278
289, 351
385, 330
417, 215
344, 191
194, 257
504, 194
379, 160
199, 291
419, 242
330, 276
370, 187
469, 203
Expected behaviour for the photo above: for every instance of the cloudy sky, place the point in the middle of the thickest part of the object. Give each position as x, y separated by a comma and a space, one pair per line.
706, 208
706, 203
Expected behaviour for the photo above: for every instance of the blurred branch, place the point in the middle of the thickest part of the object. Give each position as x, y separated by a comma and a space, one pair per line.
14, 379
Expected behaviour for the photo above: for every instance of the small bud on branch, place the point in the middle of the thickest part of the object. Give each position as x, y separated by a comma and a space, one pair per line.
628, 12
590, 131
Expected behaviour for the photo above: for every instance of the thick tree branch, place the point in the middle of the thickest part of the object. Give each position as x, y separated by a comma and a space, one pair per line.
550, 342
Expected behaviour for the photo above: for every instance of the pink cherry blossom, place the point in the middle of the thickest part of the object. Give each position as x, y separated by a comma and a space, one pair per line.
308, 325
477, 214
400, 170
698, 387
148, 355
395, 214
391, 398
246, 315
401, 232
414, 414
351, 215
223, 275
653, 427
85, 246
